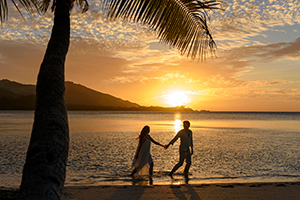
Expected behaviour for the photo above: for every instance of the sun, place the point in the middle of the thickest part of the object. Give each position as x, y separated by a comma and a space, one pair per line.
178, 98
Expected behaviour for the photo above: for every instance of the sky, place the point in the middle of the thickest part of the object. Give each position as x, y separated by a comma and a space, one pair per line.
256, 66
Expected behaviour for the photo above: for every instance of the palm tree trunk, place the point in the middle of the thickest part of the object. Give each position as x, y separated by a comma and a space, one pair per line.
45, 167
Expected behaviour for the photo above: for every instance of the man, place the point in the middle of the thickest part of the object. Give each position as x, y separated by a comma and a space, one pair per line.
186, 147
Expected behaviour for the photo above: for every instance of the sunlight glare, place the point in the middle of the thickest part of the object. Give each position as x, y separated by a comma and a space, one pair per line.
178, 98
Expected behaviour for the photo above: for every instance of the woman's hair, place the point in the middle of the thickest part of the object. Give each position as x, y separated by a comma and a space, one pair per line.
144, 132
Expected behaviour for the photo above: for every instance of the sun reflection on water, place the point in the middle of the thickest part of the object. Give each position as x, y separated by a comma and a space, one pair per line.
177, 123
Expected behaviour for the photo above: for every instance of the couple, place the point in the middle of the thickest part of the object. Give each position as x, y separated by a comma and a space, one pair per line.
143, 159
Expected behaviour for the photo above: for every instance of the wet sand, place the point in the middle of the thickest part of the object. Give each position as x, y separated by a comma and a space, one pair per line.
239, 191
255, 191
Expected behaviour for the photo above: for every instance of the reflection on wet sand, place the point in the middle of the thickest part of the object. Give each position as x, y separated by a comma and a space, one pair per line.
142, 180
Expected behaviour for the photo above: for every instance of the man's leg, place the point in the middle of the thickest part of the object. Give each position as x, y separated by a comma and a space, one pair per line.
133, 172
151, 169
180, 163
188, 160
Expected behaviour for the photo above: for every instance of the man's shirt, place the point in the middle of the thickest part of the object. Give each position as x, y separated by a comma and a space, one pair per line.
186, 140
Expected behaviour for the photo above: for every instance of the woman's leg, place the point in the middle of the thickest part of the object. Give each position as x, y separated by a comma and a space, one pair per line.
151, 169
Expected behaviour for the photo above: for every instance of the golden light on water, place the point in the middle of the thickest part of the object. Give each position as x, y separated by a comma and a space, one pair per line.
177, 123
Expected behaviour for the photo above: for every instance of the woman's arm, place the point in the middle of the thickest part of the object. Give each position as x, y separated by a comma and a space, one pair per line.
157, 143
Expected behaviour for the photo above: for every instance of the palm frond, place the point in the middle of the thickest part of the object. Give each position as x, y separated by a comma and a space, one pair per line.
3, 10
28, 5
45, 4
179, 23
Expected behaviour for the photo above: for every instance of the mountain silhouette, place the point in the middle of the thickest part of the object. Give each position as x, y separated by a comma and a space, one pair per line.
14, 95
18, 96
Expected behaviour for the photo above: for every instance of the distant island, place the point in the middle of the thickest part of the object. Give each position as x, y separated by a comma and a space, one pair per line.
18, 96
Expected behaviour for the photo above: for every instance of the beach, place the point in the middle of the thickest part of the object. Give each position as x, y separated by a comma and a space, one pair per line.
264, 191
240, 191
237, 155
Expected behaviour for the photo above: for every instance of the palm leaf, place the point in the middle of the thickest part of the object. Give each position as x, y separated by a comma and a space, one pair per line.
31, 5
46, 3
28, 5
3, 10
179, 23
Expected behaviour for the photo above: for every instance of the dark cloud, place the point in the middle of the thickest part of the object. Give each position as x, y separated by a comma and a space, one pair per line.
289, 50
267, 52
239, 59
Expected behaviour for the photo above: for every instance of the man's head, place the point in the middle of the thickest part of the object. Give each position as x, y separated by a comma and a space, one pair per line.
186, 124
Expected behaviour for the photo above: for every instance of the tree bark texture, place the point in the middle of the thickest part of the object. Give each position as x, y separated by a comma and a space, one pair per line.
45, 167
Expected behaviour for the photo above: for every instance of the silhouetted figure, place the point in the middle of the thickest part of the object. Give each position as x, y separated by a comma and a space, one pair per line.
142, 158
185, 149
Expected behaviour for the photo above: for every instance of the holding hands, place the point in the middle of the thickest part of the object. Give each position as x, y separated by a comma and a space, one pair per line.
166, 146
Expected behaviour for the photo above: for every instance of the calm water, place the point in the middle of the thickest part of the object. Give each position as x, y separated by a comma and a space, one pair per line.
229, 147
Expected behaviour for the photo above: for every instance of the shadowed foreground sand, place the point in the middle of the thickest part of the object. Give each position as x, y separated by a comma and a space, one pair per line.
255, 191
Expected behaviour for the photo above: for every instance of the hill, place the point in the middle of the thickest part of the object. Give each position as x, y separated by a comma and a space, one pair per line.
15, 95
80, 97
18, 96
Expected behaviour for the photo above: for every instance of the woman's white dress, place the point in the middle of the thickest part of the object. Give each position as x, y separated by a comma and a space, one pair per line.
144, 159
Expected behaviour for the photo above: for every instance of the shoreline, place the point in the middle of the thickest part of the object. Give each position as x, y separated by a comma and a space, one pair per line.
254, 190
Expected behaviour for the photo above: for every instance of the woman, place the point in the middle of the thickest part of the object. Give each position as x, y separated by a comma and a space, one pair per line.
142, 158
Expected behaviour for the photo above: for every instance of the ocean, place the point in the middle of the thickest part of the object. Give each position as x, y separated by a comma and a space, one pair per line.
228, 146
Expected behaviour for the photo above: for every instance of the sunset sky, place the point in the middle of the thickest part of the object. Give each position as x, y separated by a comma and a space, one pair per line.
256, 67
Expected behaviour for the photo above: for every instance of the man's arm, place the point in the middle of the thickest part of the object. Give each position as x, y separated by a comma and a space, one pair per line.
173, 140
